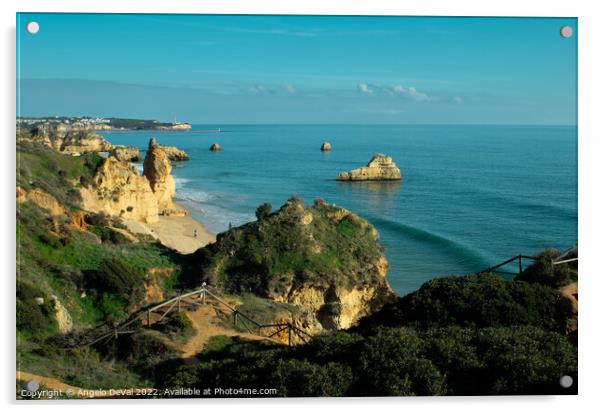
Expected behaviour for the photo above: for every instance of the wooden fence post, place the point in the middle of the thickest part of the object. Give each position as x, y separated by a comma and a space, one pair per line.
179, 301
148, 319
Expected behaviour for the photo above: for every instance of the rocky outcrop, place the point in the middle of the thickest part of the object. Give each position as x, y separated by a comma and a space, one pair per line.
380, 168
326, 147
324, 260
64, 140
157, 170
63, 318
119, 190
215, 147
126, 153
84, 142
174, 154
42, 199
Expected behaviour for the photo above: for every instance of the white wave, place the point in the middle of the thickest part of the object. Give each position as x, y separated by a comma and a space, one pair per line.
193, 195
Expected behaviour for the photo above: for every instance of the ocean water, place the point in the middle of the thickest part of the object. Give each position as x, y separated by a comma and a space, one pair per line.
471, 196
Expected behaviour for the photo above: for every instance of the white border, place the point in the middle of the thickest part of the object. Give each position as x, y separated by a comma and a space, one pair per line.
590, 134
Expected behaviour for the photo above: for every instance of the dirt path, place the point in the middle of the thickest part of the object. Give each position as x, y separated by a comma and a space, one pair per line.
207, 324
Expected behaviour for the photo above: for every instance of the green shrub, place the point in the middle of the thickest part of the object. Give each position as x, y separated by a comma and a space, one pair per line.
116, 276
473, 301
296, 378
508, 360
543, 272
392, 364
263, 211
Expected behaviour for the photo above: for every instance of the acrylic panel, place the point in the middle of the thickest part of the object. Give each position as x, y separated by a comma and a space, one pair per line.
295, 206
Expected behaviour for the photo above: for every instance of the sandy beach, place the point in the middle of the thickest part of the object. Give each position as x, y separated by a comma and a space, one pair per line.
175, 232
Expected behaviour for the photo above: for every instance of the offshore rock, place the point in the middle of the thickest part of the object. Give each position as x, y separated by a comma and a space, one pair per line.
380, 168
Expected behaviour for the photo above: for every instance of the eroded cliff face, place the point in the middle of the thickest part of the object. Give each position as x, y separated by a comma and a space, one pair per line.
69, 142
324, 260
119, 190
380, 168
338, 308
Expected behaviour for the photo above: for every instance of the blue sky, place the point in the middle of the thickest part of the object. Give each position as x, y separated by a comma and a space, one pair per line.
299, 69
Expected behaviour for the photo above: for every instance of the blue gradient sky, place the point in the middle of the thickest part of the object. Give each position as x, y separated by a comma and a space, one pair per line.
295, 69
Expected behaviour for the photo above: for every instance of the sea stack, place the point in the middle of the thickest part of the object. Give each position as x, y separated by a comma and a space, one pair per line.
326, 147
215, 147
157, 170
380, 168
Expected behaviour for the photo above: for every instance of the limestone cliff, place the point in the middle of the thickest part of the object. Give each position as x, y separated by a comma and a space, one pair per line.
157, 170
119, 190
84, 142
323, 259
380, 168
64, 140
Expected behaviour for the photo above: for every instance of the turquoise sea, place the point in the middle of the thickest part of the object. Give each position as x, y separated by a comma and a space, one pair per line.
471, 196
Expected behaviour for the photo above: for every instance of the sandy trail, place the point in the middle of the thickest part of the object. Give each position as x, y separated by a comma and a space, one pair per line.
207, 324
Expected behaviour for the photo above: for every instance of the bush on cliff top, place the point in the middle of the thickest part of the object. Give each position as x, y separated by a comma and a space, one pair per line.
543, 272
478, 300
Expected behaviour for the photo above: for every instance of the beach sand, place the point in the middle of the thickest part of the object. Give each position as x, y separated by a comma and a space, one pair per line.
175, 232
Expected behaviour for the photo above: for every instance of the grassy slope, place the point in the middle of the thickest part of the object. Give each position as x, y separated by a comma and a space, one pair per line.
55, 258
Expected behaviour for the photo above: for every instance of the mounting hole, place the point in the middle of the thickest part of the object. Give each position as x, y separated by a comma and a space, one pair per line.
32, 385
566, 31
32, 27
566, 381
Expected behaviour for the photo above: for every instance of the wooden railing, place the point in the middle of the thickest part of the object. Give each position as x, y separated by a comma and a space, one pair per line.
561, 259
202, 296
518, 258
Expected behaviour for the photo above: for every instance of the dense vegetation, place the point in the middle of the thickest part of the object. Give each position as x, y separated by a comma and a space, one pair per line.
297, 244
478, 300
391, 362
